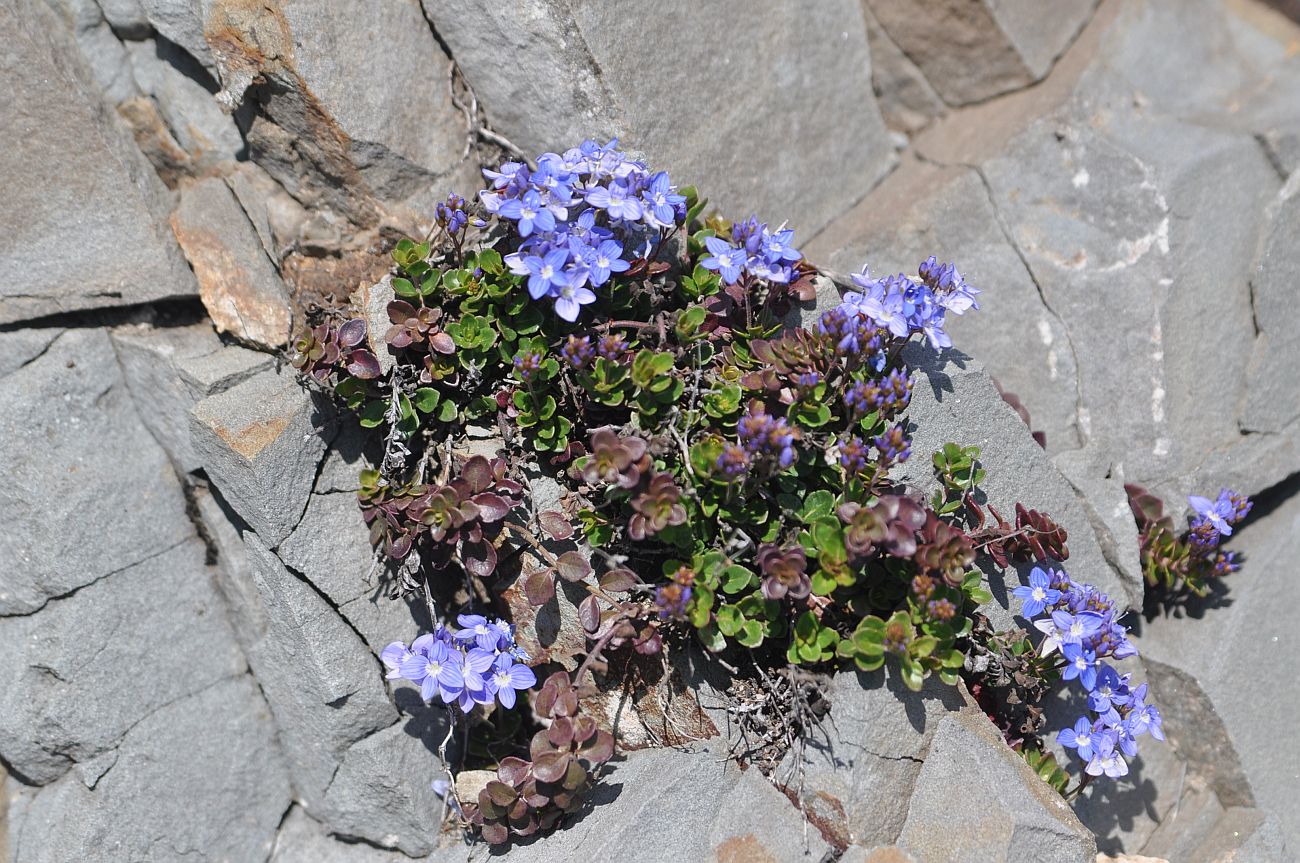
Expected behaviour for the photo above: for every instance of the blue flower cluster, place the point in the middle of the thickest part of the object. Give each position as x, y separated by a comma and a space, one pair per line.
904, 306
476, 664
578, 215
762, 436
755, 250
1080, 622
1214, 519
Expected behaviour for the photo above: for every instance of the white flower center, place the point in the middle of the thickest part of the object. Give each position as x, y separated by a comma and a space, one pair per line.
547, 271
529, 213
602, 261
1039, 594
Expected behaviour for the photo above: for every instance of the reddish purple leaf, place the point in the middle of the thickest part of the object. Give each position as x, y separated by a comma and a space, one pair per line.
352, 333
589, 614
442, 343
556, 524
573, 566
478, 473
491, 507
551, 766
480, 558
512, 771
540, 587
617, 580
600, 749
399, 311
364, 365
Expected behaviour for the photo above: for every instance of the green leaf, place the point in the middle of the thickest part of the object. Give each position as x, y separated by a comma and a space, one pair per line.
447, 411
425, 400
372, 415
403, 288
817, 505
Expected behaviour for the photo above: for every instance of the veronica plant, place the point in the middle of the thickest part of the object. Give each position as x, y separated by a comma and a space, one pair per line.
1194, 556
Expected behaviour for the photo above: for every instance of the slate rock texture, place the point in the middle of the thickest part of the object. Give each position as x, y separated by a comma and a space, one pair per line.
259, 442
88, 492
201, 777
975, 799
83, 214
859, 768
760, 111
82, 673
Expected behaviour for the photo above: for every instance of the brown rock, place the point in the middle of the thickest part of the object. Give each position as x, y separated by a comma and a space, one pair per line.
237, 282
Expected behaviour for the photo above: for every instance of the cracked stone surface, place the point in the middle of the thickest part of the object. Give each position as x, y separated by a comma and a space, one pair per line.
807, 85
83, 218
71, 439
77, 677
199, 778
858, 771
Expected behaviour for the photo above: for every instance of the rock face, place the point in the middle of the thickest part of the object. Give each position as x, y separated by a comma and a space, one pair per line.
970, 51
83, 213
81, 674
200, 777
858, 772
760, 111
88, 493
258, 442
975, 799
237, 282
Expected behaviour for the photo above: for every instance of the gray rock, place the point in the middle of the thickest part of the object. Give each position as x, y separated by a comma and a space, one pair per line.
20, 347
323, 685
402, 129
1109, 513
922, 210
259, 444
79, 675
304, 840
191, 112
273, 213
1273, 394
87, 491
372, 301
907, 101
199, 779
1223, 658
975, 799
704, 810
381, 792
238, 284
972, 51
83, 212
859, 769
184, 22
953, 400
168, 370
105, 56
758, 115
331, 547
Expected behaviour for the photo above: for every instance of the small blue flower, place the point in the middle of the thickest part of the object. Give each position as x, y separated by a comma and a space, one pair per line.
571, 299
1215, 512
1074, 628
547, 274
661, 201
1038, 594
437, 670
1080, 738
1080, 663
506, 677
723, 258
605, 259
1108, 690
529, 213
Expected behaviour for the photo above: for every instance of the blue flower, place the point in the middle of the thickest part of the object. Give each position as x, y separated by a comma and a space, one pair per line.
1215, 512
393, 656
1074, 628
723, 258
547, 274
616, 200
528, 212
1080, 663
1108, 690
661, 201
1081, 738
570, 301
1038, 594
506, 677
437, 669
1106, 760
605, 259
